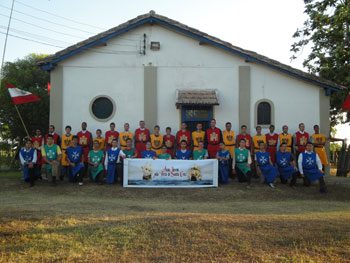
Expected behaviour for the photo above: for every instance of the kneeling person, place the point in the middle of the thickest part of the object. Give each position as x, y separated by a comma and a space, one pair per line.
96, 160
52, 155
164, 154
200, 153
310, 167
148, 153
264, 162
241, 162
75, 158
286, 165
183, 153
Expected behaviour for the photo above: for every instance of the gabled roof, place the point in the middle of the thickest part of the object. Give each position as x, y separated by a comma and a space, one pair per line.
50, 62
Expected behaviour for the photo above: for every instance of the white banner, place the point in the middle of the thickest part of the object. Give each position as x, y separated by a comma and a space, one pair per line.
158, 173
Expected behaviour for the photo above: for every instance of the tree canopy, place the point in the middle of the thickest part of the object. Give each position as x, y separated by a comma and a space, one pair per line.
327, 32
24, 74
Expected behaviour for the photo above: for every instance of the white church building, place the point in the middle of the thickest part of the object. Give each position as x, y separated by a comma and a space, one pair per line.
159, 70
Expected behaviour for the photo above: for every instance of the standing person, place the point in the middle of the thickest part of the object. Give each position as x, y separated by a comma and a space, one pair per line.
258, 138
141, 138
56, 137
200, 153
241, 163
263, 160
169, 141
156, 140
100, 139
183, 135
319, 141
148, 153
96, 160
223, 156
126, 134
38, 142
272, 141
66, 142
213, 138
111, 135
28, 158
75, 158
310, 167
164, 154
285, 138
113, 163
245, 136
286, 166
129, 151
85, 141
183, 153
228, 137
300, 140
198, 136
52, 155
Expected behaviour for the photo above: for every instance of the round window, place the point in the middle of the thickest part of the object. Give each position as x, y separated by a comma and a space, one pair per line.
102, 108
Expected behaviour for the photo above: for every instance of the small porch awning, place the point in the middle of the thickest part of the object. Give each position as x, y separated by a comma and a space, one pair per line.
196, 97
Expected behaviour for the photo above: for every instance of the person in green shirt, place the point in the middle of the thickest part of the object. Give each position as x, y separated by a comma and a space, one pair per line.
52, 155
129, 151
241, 162
201, 153
164, 154
96, 160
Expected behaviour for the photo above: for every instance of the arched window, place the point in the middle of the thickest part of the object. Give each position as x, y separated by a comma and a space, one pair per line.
264, 113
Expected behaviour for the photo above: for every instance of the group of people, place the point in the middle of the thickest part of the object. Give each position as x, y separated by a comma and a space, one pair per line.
84, 155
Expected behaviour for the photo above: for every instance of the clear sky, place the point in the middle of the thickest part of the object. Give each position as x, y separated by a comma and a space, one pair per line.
265, 27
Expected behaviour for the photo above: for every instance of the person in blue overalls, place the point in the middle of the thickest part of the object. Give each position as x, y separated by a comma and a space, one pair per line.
286, 165
310, 167
263, 161
223, 157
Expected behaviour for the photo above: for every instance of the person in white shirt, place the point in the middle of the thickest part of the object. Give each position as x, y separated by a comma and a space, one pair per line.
310, 167
28, 157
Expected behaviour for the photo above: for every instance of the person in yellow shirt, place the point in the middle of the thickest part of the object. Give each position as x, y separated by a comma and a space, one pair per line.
228, 137
258, 138
100, 139
198, 136
66, 142
156, 140
319, 141
124, 136
285, 138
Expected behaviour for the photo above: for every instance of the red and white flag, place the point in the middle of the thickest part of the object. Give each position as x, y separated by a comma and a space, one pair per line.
20, 96
346, 105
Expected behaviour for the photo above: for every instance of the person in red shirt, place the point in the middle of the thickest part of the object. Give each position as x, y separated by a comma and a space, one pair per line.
213, 138
300, 139
38, 142
272, 141
85, 141
183, 135
110, 136
169, 141
142, 136
56, 137
245, 136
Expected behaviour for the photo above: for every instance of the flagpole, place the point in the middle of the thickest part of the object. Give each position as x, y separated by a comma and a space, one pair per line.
22, 121
7, 34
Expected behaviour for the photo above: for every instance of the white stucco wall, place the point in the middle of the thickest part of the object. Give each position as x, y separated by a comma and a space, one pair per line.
181, 64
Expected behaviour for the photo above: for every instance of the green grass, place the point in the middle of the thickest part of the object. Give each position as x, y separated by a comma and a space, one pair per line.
109, 223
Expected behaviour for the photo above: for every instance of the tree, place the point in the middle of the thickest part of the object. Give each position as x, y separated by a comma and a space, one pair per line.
24, 74
327, 32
